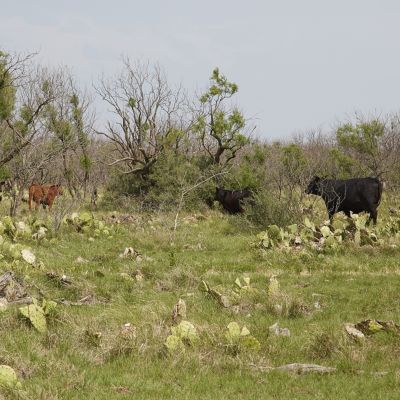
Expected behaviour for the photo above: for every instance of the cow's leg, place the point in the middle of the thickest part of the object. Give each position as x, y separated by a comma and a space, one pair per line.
373, 214
347, 213
330, 216
371, 209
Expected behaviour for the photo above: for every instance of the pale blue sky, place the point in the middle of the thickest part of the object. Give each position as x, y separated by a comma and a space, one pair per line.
300, 65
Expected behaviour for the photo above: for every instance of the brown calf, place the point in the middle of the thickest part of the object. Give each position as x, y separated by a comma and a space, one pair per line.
43, 194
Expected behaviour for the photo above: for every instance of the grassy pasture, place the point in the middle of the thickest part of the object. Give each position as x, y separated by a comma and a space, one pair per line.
86, 355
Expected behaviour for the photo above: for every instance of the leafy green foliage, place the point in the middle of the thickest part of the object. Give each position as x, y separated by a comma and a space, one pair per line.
294, 162
220, 131
360, 142
363, 137
7, 89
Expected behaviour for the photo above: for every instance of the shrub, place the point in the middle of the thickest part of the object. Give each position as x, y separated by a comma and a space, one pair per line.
267, 209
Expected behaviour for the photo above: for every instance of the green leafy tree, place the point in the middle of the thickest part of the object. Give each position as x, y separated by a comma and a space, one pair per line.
7, 88
340, 165
220, 130
294, 162
362, 143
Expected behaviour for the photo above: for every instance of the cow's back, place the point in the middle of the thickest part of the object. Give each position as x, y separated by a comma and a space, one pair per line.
355, 195
367, 189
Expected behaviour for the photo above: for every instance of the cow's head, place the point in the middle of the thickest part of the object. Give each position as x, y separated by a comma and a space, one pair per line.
59, 190
246, 192
314, 186
219, 193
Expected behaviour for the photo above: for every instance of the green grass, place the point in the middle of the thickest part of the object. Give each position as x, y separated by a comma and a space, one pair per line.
67, 363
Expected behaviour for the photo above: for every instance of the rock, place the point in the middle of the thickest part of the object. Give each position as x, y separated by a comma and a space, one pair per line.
81, 260
21, 226
40, 234
276, 330
306, 368
65, 281
353, 332
299, 368
131, 252
3, 304
28, 256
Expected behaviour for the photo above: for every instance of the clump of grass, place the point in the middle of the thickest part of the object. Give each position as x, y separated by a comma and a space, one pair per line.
322, 345
287, 306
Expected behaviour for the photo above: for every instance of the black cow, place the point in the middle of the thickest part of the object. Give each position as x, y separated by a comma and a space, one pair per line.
348, 195
231, 199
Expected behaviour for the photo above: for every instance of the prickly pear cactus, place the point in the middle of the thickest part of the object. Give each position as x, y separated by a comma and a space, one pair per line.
36, 316
183, 334
8, 377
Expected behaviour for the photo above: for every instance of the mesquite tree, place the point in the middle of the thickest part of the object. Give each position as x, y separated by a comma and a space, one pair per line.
146, 113
220, 129
25, 91
70, 121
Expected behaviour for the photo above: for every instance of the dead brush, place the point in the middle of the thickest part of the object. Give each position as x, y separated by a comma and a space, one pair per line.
61, 209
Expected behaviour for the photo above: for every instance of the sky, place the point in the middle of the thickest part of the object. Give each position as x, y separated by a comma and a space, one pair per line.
300, 65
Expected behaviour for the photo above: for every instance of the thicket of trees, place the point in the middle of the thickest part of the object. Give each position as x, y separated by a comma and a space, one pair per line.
161, 145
